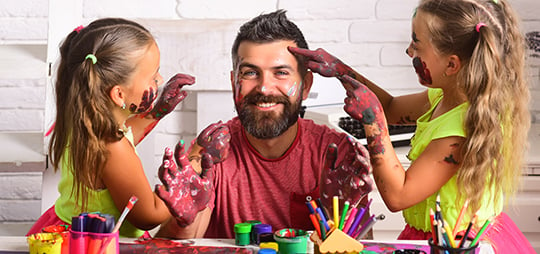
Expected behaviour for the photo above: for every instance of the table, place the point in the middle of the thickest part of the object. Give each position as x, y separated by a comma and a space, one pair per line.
18, 245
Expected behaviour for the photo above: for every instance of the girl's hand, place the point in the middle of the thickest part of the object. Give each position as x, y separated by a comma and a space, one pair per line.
185, 192
322, 62
349, 181
215, 141
362, 105
171, 95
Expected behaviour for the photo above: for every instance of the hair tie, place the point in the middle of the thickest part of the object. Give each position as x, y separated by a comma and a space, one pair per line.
91, 57
78, 29
480, 25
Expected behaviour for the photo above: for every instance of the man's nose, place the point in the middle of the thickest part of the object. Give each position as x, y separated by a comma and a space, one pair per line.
267, 84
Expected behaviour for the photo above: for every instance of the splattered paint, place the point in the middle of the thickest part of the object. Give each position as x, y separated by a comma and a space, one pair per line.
422, 71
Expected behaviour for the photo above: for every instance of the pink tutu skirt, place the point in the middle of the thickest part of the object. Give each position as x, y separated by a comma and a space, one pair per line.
503, 235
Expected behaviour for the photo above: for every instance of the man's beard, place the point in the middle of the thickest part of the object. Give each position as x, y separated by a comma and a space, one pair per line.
266, 125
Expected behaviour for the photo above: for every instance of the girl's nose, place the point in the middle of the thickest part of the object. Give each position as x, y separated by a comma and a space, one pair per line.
408, 50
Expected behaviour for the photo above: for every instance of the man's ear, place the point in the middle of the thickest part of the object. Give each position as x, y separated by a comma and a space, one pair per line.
118, 96
454, 65
308, 82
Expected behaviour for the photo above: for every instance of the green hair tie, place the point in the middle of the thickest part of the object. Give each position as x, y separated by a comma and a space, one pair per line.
91, 57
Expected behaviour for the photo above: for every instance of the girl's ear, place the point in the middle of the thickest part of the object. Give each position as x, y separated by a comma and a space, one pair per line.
118, 96
454, 65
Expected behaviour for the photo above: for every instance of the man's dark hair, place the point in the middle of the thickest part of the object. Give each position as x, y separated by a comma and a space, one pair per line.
267, 28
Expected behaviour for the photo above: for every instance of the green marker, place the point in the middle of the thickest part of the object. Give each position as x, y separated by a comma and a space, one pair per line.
343, 214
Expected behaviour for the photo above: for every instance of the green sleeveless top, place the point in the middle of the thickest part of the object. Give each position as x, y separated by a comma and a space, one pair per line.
98, 201
427, 129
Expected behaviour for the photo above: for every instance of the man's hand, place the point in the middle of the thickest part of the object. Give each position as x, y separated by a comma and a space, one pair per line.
323, 63
350, 180
171, 95
215, 141
185, 192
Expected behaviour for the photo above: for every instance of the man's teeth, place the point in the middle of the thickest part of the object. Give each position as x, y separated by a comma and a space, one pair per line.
266, 105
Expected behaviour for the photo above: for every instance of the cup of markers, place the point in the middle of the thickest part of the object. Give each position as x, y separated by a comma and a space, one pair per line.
93, 233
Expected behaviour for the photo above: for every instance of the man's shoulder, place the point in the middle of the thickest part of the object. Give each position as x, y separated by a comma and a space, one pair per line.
311, 128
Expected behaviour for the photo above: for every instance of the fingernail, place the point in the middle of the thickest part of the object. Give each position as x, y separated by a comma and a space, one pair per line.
181, 142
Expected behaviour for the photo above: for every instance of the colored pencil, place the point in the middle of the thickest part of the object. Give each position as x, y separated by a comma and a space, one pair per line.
482, 230
433, 226
460, 217
468, 230
448, 233
343, 215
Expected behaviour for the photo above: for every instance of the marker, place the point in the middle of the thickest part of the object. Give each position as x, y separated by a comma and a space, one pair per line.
310, 207
316, 225
343, 214
322, 218
335, 206
323, 209
356, 221
350, 219
368, 225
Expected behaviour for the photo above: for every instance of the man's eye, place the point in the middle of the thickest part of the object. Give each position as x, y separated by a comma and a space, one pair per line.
248, 74
282, 73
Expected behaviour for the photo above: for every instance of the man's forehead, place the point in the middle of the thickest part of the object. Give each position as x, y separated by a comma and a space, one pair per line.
274, 53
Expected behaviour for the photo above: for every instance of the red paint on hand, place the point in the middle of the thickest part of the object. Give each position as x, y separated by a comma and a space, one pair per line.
322, 62
350, 179
183, 190
171, 95
215, 141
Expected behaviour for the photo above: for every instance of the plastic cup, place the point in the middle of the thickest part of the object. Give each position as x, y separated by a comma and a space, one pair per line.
291, 241
45, 243
436, 249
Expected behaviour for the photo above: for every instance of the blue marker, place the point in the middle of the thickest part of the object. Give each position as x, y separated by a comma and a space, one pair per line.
323, 219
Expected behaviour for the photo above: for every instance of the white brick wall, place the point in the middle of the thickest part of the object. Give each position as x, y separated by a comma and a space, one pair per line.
195, 37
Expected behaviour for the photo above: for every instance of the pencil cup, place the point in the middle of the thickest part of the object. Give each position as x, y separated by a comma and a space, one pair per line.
436, 249
336, 241
45, 243
94, 243
291, 241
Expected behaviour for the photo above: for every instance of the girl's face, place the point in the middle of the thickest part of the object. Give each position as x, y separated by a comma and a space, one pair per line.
142, 91
428, 64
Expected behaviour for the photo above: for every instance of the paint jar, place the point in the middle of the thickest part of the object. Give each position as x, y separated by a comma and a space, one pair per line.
63, 230
266, 251
259, 229
269, 245
291, 241
50, 243
436, 249
252, 235
242, 233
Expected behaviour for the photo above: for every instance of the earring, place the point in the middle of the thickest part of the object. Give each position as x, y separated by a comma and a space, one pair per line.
123, 105
444, 74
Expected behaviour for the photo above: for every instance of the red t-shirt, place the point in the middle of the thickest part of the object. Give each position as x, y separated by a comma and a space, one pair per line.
273, 191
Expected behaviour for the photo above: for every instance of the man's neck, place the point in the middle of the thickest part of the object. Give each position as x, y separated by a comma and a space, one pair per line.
274, 148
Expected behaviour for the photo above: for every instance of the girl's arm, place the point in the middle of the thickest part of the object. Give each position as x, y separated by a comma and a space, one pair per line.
172, 94
124, 176
398, 110
400, 189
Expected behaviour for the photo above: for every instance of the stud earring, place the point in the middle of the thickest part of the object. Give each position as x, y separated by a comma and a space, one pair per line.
123, 105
